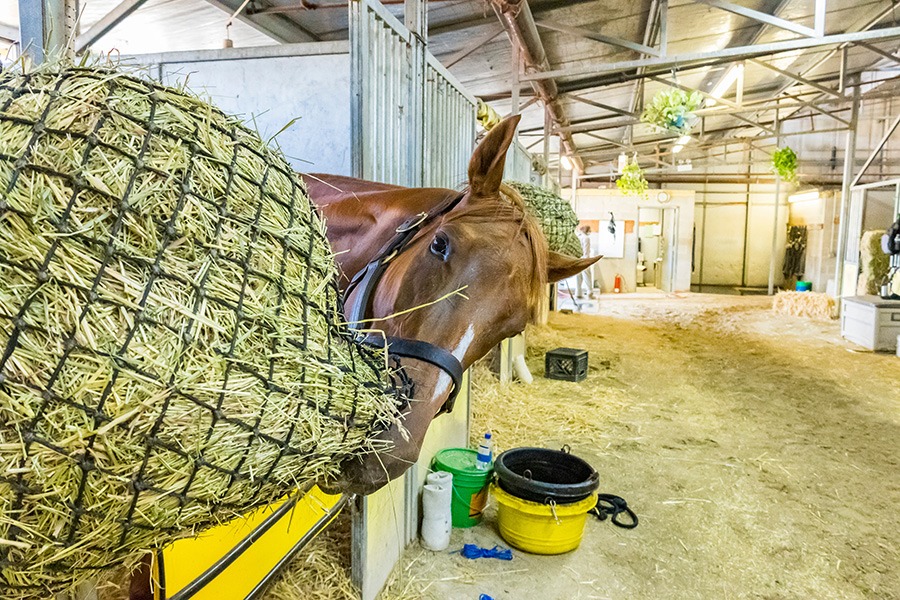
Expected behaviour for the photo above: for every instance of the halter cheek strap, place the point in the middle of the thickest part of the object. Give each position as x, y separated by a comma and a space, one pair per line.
365, 283
434, 355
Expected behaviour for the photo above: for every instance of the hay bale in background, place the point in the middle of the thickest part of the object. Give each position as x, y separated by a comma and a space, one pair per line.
874, 264
556, 216
172, 350
804, 304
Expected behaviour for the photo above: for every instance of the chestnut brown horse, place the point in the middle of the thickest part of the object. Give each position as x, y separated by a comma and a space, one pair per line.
484, 246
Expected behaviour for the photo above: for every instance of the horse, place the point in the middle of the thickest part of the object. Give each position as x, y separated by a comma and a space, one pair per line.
475, 266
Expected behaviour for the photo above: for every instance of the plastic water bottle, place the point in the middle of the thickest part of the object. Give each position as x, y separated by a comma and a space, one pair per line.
483, 462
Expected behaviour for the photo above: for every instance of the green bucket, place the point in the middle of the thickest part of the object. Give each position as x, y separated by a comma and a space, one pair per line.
470, 484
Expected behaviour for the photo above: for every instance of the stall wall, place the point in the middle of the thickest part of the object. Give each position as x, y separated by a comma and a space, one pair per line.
596, 204
310, 95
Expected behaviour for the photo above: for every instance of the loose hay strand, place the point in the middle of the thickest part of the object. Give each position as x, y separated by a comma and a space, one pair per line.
172, 351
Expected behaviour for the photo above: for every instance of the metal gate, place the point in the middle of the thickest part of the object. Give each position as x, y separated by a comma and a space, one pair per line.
413, 124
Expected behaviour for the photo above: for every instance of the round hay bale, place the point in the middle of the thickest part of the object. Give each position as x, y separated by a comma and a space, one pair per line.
172, 349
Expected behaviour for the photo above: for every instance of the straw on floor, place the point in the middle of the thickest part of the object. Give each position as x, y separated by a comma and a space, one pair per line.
172, 351
804, 304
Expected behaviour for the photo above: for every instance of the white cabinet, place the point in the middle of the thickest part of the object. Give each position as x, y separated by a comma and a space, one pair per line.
871, 322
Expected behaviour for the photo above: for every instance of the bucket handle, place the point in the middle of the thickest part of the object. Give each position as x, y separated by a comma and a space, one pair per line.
527, 474
566, 448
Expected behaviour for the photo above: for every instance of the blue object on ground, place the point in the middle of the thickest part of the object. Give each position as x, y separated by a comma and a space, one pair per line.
484, 597
472, 551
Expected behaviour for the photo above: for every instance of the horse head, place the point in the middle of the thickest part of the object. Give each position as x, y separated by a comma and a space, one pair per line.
468, 279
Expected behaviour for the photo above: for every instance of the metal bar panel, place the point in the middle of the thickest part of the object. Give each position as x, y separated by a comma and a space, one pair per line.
107, 23
597, 37
820, 18
445, 74
761, 16
389, 20
725, 54
877, 150
797, 78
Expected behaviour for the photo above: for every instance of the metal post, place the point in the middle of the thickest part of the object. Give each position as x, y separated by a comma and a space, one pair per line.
746, 218
415, 17
702, 235
515, 79
772, 259
849, 160
663, 27
547, 123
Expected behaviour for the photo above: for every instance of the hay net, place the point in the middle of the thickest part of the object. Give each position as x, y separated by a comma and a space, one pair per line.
173, 349
556, 216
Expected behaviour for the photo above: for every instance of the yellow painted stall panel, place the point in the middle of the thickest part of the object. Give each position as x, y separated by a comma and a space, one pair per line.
230, 561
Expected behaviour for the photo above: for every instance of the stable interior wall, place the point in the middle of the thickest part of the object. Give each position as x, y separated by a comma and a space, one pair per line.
733, 234
820, 217
596, 204
302, 102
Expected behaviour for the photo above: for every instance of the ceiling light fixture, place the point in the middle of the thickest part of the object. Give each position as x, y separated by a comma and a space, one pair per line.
804, 196
566, 162
677, 148
683, 140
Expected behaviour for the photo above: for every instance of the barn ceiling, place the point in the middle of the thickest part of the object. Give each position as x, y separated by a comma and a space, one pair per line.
593, 49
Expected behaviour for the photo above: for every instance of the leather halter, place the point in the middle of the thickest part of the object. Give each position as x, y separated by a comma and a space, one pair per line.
367, 280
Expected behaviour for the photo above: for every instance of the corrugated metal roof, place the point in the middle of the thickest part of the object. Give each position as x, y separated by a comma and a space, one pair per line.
693, 27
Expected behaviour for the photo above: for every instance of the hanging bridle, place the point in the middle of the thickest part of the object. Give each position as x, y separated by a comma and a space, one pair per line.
367, 280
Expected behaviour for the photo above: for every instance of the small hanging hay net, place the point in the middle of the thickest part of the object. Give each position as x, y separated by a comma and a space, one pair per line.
804, 304
173, 351
555, 215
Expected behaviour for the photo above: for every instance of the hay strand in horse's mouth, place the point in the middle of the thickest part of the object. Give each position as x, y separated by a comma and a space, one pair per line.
172, 350
456, 292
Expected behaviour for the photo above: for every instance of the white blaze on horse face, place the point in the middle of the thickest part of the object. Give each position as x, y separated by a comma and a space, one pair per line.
443, 383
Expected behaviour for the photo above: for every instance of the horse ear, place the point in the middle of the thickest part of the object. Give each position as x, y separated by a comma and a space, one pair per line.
560, 266
486, 166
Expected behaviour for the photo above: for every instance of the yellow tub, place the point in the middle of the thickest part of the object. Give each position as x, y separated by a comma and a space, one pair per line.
532, 527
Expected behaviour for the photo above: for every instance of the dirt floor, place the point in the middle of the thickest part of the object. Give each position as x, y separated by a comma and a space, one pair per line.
759, 451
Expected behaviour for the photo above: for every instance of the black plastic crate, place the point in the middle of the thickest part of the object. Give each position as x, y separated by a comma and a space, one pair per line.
566, 364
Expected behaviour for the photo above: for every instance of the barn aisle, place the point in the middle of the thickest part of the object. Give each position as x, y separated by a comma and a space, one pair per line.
760, 452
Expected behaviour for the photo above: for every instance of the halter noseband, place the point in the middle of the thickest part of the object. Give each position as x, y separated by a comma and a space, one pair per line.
367, 280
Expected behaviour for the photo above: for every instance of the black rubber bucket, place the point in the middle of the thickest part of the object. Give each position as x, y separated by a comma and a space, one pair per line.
541, 475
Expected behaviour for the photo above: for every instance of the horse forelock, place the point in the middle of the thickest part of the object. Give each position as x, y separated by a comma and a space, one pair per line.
509, 206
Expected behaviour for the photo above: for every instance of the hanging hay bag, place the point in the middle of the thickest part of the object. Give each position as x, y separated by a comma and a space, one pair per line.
556, 216
173, 351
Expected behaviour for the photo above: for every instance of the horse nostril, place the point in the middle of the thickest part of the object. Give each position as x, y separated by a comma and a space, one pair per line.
440, 246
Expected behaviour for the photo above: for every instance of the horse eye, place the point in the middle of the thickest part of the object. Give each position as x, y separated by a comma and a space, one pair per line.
440, 246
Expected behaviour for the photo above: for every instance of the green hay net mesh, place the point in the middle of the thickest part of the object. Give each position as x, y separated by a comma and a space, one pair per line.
173, 351
556, 216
